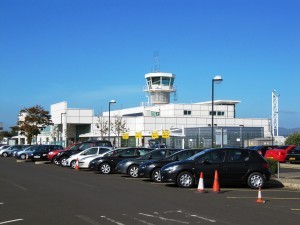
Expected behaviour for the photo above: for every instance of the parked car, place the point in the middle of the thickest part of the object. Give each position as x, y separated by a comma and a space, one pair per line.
4, 147
52, 155
41, 152
62, 156
99, 151
85, 161
151, 169
279, 153
131, 166
234, 166
262, 149
6, 152
108, 163
293, 156
14, 152
22, 154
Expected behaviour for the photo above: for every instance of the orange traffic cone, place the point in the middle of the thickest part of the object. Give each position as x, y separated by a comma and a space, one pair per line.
77, 165
216, 186
200, 188
259, 198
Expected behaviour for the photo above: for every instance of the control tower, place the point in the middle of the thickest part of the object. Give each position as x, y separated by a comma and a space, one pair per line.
159, 87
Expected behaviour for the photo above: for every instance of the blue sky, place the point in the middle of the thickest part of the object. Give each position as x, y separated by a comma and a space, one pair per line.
87, 52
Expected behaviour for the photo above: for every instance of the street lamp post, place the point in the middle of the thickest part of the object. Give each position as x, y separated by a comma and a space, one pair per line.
111, 102
61, 138
218, 79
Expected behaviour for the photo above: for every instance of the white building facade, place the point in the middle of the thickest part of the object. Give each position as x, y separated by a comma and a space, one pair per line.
189, 125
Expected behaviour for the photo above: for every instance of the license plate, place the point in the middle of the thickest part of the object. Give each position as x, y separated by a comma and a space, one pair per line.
36, 156
292, 159
269, 157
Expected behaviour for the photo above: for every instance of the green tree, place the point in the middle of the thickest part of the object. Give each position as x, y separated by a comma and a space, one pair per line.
32, 121
293, 139
6, 134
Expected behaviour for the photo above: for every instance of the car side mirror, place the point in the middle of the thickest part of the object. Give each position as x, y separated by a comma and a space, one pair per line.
175, 158
150, 156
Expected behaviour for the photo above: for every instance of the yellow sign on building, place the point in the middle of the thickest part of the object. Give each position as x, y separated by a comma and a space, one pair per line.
138, 135
154, 134
125, 136
165, 134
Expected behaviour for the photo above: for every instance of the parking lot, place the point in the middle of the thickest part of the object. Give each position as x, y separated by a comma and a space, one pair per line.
47, 194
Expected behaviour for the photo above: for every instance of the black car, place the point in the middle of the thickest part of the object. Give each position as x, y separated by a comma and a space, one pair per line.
234, 166
108, 163
41, 151
131, 166
262, 149
293, 156
62, 156
151, 169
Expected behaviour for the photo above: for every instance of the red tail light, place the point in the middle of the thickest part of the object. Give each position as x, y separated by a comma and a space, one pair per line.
266, 165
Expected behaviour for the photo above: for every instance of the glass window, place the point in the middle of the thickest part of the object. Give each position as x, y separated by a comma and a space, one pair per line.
127, 152
103, 150
91, 151
166, 81
214, 156
158, 154
238, 156
187, 112
142, 152
156, 80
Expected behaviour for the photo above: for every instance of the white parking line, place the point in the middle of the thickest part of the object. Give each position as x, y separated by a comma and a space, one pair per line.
112, 220
163, 218
11, 221
14, 184
139, 220
273, 198
199, 217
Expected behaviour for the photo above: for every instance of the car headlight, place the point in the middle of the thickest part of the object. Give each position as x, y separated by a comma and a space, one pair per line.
171, 168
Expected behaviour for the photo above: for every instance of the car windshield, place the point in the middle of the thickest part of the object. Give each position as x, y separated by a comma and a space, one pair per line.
197, 155
114, 152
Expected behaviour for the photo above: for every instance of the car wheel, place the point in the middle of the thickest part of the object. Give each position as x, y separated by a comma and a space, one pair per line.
105, 168
185, 180
23, 156
256, 180
4, 154
73, 164
63, 161
55, 161
155, 176
133, 171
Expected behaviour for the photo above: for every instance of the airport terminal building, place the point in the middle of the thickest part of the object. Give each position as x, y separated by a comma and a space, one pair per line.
158, 121
188, 125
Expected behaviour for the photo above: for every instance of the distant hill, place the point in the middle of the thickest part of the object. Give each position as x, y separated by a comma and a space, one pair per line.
286, 131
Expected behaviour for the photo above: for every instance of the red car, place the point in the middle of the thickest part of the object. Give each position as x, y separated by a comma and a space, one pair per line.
52, 155
279, 153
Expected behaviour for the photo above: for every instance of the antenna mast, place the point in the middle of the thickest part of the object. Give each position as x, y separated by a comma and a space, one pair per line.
156, 62
275, 113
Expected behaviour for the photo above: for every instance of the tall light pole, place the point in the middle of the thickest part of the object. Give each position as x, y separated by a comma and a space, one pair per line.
218, 79
61, 138
111, 102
